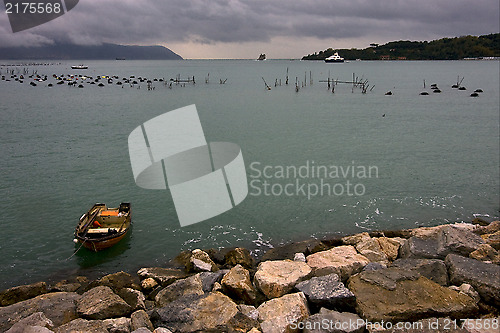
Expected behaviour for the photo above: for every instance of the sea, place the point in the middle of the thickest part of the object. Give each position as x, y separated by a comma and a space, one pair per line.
323, 156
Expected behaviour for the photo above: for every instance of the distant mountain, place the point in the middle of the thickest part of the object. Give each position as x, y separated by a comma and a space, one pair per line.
91, 52
441, 49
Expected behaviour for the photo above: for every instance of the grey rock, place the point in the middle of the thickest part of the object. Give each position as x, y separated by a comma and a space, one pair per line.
81, 325
140, 319
278, 314
142, 330
394, 294
420, 248
133, 297
239, 256
163, 276
117, 325
37, 319
299, 257
238, 285
482, 276
200, 261
433, 269
453, 240
288, 251
66, 286
327, 291
162, 330
120, 280
355, 239
276, 278
189, 286
327, 321
208, 279
101, 303
342, 260
389, 277
212, 312
22, 293
485, 253
249, 311
59, 307
373, 266
36, 329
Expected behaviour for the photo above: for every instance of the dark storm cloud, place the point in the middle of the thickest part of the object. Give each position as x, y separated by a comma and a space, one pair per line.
211, 21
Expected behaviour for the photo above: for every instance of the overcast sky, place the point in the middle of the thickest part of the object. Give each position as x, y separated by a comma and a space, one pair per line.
246, 28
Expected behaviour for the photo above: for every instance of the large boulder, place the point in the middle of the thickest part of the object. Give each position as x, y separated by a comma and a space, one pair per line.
433, 269
212, 312
453, 240
283, 314
117, 325
370, 248
395, 294
327, 321
208, 279
342, 260
355, 239
276, 278
101, 303
239, 256
420, 248
120, 280
493, 240
133, 297
188, 286
485, 278
486, 253
140, 319
442, 241
36, 320
238, 285
327, 291
200, 261
81, 325
59, 307
163, 276
288, 251
22, 293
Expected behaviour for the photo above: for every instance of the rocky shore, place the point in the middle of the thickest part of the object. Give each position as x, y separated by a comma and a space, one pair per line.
429, 279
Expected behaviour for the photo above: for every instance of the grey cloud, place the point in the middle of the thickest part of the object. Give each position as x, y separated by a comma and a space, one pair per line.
211, 21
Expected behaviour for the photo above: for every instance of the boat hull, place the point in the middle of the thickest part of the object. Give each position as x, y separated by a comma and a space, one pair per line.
332, 61
99, 245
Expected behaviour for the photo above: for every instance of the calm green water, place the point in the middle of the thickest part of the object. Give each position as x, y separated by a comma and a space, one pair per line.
63, 149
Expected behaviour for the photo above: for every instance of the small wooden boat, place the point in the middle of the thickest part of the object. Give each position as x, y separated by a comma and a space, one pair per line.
102, 227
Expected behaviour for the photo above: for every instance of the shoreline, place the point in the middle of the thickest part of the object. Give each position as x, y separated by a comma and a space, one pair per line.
334, 278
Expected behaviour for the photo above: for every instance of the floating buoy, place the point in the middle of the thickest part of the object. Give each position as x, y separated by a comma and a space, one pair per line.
101, 85
75, 240
474, 94
80, 86
49, 85
424, 93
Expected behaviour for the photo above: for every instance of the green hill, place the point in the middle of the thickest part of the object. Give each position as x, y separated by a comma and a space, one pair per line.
441, 49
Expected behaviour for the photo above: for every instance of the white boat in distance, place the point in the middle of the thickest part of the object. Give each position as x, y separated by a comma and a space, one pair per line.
79, 67
334, 58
